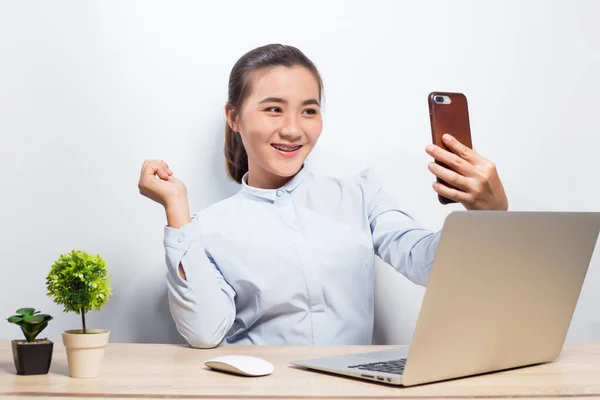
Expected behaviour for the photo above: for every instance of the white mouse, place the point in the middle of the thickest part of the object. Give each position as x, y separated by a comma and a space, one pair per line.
241, 365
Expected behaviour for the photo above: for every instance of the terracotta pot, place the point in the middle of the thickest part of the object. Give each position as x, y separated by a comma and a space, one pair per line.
32, 358
85, 353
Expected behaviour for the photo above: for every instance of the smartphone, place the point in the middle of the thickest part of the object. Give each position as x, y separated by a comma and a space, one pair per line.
449, 113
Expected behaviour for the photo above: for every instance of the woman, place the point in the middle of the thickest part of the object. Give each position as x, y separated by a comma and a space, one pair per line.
289, 258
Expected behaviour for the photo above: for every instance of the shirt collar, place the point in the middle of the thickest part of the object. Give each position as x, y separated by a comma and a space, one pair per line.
271, 194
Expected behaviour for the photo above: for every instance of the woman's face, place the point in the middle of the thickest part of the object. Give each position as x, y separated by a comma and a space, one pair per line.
280, 123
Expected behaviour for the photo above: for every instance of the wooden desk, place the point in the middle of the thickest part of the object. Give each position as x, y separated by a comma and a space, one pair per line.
162, 371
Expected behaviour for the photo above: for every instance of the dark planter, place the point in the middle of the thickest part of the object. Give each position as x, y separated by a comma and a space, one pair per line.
32, 358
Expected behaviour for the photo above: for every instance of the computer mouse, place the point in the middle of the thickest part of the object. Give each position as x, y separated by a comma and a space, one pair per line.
241, 365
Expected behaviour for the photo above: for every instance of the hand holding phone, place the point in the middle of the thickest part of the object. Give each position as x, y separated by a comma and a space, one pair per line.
449, 113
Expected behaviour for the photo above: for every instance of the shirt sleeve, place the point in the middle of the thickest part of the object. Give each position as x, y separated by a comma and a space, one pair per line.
202, 306
397, 238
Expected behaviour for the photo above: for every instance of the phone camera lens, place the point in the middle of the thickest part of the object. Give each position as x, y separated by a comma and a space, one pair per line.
439, 99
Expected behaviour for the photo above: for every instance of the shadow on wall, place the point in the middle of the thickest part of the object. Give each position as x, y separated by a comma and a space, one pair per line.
156, 325
222, 185
138, 310
397, 305
210, 182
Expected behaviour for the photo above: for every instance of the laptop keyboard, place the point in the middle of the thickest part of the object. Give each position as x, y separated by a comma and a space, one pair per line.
390, 367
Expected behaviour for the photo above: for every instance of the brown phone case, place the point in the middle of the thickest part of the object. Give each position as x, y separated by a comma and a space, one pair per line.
450, 118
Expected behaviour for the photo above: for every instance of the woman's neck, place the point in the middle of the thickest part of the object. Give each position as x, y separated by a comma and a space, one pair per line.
263, 179
267, 180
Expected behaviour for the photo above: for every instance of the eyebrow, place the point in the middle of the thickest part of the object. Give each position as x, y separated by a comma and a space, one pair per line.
279, 100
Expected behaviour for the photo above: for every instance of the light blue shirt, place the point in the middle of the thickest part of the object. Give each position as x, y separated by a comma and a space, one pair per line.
293, 265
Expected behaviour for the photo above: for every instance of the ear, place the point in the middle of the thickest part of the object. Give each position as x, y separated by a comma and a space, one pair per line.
232, 117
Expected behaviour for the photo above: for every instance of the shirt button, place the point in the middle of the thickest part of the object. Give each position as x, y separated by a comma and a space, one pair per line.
180, 239
279, 193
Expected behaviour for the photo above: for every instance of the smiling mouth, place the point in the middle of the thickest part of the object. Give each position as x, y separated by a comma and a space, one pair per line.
284, 148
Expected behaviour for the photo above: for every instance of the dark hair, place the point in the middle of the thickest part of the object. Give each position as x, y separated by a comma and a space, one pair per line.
271, 55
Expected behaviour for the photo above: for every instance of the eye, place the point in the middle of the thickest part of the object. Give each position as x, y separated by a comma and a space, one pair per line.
273, 109
311, 111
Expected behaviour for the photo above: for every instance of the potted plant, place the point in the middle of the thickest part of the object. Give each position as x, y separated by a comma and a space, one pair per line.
32, 356
80, 282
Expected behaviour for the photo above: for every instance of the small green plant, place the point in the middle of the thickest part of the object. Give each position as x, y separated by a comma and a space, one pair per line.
32, 323
79, 282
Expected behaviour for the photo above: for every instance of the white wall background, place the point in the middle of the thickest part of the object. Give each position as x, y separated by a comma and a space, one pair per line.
88, 90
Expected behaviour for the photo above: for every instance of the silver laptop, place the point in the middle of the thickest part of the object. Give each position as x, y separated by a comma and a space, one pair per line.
501, 295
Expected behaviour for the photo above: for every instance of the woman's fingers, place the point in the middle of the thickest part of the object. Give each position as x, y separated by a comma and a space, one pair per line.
158, 183
153, 173
474, 178
449, 176
453, 161
158, 168
162, 173
460, 149
167, 169
451, 193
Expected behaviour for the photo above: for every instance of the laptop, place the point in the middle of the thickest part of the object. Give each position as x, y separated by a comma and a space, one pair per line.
501, 295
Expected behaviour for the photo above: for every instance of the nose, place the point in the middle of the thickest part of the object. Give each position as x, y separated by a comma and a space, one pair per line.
291, 129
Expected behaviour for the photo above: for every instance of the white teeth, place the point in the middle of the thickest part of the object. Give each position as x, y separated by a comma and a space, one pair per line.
286, 149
